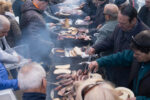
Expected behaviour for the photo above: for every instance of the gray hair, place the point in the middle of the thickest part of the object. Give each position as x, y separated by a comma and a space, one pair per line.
3, 21
30, 76
112, 10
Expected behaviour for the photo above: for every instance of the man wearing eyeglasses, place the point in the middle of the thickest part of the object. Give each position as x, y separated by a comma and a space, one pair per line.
128, 25
111, 13
139, 60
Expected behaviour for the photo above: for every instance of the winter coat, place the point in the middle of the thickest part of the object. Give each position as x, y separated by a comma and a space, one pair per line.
5, 83
106, 30
32, 23
33, 96
14, 33
35, 32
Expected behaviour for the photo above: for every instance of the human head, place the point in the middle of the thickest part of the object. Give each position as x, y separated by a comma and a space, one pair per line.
40, 4
127, 18
8, 6
141, 46
122, 3
32, 76
94, 89
147, 3
2, 2
4, 26
111, 12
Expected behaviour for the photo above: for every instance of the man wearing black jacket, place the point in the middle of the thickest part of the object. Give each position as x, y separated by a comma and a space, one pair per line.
34, 30
129, 25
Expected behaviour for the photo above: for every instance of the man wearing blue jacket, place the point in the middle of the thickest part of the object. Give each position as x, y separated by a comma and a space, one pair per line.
5, 83
139, 60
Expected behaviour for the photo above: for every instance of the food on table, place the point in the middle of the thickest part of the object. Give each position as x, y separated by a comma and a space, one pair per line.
81, 22
62, 71
73, 30
60, 51
78, 50
66, 25
63, 66
72, 53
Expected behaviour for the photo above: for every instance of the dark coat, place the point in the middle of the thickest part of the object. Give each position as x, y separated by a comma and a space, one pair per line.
119, 40
32, 23
144, 87
14, 33
35, 33
33, 96
144, 15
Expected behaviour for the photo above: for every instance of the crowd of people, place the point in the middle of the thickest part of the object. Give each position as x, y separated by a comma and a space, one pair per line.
120, 33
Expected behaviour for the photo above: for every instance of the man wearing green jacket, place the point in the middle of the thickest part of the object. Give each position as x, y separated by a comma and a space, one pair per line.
139, 60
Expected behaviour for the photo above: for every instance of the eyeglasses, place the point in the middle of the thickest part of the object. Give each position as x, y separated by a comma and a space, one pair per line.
89, 87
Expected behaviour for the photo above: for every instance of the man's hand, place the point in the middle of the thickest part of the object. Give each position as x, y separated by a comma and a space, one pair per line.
82, 5
134, 98
93, 66
90, 51
99, 26
87, 18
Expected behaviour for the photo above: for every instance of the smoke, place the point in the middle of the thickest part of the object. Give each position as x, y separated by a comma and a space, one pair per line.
39, 44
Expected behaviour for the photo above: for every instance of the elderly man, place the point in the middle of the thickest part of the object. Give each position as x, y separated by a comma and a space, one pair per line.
34, 29
6, 57
129, 25
110, 12
32, 80
144, 13
139, 59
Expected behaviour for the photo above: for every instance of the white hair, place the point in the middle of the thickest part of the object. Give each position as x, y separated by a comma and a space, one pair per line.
30, 76
3, 21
